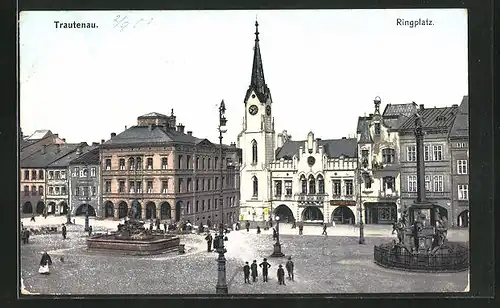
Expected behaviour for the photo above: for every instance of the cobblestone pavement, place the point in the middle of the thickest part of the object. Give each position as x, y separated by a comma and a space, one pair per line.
333, 264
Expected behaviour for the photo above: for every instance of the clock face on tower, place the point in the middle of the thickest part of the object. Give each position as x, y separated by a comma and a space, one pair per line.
268, 110
311, 160
253, 109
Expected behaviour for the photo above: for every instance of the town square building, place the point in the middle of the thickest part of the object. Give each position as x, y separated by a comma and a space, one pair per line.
436, 124
168, 173
379, 162
84, 175
459, 149
309, 180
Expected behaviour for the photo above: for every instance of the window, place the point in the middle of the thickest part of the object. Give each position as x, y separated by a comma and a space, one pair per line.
463, 192
412, 183
164, 187
188, 161
94, 191
138, 186
33, 190
121, 186
312, 185
51, 190
203, 163
131, 187
437, 152
388, 183
224, 182
321, 185
303, 184
26, 175
164, 164
138, 164
63, 175
149, 185
288, 188
197, 185
209, 203
197, 164
57, 175
255, 184
85, 190
108, 164
202, 205
107, 186
411, 153
428, 186
277, 188
57, 190
427, 153
92, 172
438, 183
388, 156
188, 207
40, 174
179, 187
254, 152
63, 190
461, 166
122, 164
33, 174
377, 128
349, 188
336, 188
40, 190
197, 206
203, 185
209, 184
77, 191
216, 183
368, 181
51, 175
131, 163
209, 165
188, 185
179, 161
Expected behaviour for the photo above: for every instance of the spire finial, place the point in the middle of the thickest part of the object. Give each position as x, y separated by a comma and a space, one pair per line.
256, 30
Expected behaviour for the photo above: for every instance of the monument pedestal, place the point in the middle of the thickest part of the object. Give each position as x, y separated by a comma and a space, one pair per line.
277, 251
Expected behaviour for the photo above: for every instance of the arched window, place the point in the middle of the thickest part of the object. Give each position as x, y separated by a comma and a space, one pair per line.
255, 183
138, 163
321, 185
209, 163
197, 163
303, 183
312, 185
131, 163
254, 151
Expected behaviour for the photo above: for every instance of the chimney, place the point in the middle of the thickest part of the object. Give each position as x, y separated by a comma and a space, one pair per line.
421, 106
180, 128
102, 141
343, 137
64, 140
78, 150
190, 133
58, 148
113, 135
125, 127
42, 150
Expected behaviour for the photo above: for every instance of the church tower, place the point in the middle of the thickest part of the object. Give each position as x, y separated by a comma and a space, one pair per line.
257, 141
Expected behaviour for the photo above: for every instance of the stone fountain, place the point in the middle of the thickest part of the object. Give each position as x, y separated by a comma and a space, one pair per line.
133, 239
421, 243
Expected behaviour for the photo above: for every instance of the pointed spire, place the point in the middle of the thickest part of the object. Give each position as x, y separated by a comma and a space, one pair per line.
258, 83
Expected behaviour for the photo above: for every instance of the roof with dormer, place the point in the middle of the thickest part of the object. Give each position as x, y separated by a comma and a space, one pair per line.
48, 154
66, 160
40, 134
432, 118
332, 147
460, 128
89, 156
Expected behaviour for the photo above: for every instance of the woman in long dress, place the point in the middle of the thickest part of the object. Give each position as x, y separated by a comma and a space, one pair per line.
44, 264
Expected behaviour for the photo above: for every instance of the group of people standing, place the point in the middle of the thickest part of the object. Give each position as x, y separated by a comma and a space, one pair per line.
280, 273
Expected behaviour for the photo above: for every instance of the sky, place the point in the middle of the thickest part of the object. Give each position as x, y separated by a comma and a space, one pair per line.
323, 67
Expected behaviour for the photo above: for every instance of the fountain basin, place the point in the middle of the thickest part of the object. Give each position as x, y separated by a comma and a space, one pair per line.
154, 244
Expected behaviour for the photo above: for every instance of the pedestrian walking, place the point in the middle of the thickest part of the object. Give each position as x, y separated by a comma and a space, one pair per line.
253, 268
258, 230
247, 225
64, 231
90, 231
246, 272
281, 275
294, 224
209, 240
44, 264
151, 227
23, 236
265, 267
165, 227
301, 228
324, 229
289, 268
27, 235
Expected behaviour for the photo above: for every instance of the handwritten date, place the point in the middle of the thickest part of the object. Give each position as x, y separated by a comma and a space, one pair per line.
124, 21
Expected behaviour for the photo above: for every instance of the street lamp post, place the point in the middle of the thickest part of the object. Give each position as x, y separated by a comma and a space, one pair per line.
221, 287
361, 225
277, 246
87, 203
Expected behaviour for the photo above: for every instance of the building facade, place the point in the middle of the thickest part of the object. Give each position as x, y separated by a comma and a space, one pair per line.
168, 173
34, 177
459, 149
310, 180
379, 162
84, 184
437, 123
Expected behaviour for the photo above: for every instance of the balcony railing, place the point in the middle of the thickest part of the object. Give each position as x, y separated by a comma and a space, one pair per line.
387, 194
342, 197
428, 195
386, 166
311, 197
